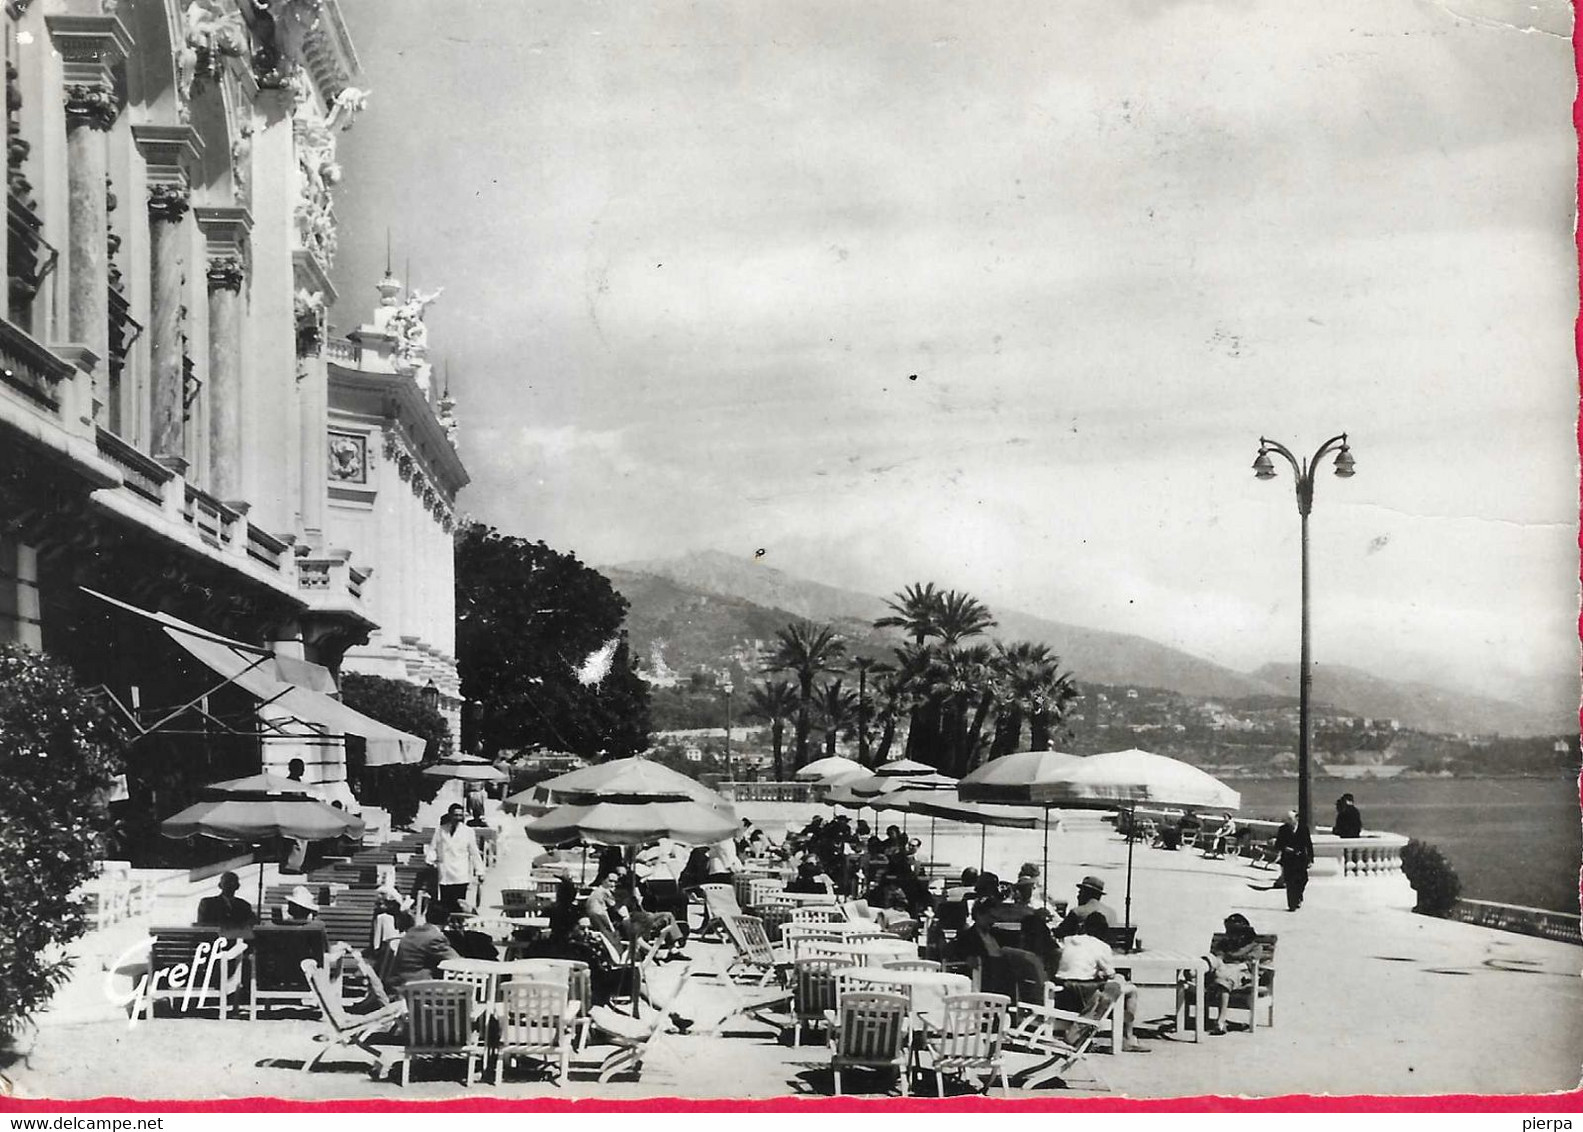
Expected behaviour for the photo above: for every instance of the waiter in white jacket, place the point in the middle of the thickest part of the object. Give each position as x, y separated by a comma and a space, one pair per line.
457, 859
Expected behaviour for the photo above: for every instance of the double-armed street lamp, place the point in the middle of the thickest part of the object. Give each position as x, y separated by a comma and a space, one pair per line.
1264, 469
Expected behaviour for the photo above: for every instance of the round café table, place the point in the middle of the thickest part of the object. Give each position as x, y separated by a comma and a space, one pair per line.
926, 991
874, 952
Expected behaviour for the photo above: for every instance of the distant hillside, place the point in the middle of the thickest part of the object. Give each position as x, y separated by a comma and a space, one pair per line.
1423, 707
704, 604
1093, 654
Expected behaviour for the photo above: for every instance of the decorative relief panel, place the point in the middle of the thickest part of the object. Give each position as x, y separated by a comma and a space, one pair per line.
348, 457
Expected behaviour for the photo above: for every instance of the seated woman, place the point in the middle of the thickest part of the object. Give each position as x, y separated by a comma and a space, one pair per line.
1230, 962
658, 930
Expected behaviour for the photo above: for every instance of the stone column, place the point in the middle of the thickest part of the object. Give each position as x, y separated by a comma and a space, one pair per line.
165, 150
225, 231
90, 47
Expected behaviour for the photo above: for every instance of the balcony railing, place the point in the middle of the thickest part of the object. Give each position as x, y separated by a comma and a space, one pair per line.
341, 350
144, 476
30, 369
206, 515
264, 547
313, 574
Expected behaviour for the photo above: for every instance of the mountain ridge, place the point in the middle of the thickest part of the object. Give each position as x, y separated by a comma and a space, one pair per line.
697, 606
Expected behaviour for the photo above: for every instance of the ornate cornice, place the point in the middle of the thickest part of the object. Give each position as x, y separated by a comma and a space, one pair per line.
226, 273
90, 47
169, 202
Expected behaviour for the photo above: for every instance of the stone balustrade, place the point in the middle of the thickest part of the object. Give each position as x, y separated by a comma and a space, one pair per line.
27, 368
1373, 854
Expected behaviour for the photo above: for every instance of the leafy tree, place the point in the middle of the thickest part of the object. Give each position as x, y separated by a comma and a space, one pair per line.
530, 626
807, 650
775, 701
59, 751
400, 788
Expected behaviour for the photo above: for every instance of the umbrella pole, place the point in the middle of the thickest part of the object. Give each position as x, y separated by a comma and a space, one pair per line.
981, 837
931, 838
1045, 869
1132, 830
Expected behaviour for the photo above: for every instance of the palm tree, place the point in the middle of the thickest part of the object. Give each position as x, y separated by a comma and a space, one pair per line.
837, 708
960, 616
807, 650
1019, 666
916, 612
863, 665
1052, 693
775, 701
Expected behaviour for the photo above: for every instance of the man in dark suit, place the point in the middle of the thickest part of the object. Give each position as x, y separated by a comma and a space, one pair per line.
421, 950
226, 910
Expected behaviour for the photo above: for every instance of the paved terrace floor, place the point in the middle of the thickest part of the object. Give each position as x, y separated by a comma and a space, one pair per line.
1371, 1000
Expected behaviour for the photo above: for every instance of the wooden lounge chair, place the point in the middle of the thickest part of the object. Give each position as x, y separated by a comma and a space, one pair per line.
275, 967
1062, 1036
439, 1024
174, 951
720, 901
755, 955
813, 994
534, 1023
633, 1037
870, 1032
1260, 990
343, 1030
971, 1040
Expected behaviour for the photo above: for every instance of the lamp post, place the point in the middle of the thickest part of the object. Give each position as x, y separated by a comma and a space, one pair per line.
431, 696
725, 686
1264, 469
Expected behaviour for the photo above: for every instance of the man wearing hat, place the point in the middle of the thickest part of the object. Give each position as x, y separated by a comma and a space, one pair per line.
1089, 891
301, 907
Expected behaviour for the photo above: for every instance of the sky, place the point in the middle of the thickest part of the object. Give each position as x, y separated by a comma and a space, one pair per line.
1003, 296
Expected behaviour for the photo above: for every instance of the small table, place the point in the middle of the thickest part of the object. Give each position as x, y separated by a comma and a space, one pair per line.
1161, 967
926, 991
865, 952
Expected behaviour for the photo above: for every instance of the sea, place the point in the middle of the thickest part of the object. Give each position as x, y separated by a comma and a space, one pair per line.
1512, 840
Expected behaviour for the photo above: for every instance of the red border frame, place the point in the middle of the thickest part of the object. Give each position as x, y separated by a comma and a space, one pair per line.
1456, 1102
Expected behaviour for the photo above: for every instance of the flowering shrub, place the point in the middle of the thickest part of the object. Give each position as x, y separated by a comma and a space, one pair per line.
59, 751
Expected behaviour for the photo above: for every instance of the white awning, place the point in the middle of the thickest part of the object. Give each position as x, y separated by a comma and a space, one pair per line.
292, 687
386, 745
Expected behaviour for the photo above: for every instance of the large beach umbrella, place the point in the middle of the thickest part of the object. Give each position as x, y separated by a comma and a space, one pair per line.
466, 768
938, 804
1010, 779
633, 779
1120, 780
903, 767
259, 808
874, 785
632, 824
535, 802
821, 769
